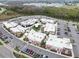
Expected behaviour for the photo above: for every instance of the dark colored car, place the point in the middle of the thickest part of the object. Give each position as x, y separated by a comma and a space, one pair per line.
43, 56
27, 50
31, 52
77, 33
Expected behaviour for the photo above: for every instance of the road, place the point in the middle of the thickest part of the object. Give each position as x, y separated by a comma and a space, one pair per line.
16, 42
6, 53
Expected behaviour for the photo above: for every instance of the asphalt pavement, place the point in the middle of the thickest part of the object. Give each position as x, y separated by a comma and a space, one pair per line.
16, 42
6, 53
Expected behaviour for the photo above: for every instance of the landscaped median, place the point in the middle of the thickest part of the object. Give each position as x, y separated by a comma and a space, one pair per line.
18, 54
1, 42
4, 40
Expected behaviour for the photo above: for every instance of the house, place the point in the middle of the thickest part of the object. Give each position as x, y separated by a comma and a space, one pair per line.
59, 45
36, 37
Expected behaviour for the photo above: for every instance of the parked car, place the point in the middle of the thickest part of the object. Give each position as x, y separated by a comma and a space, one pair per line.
27, 50
34, 55
77, 33
11, 37
43, 56
31, 52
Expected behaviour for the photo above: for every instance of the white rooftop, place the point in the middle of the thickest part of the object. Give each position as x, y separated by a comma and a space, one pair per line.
36, 36
50, 27
10, 24
29, 22
58, 42
18, 29
44, 20
14, 30
22, 29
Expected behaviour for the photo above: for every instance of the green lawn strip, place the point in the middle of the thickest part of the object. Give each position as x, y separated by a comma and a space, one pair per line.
1, 42
20, 54
6, 42
17, 55
17, 49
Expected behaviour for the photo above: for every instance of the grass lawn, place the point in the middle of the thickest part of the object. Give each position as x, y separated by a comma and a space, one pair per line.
36, 28
1, 43
71, 7
6, 42
17, 49
18, 55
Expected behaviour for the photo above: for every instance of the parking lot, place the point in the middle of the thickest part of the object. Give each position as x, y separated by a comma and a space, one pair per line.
16, 42
37, 51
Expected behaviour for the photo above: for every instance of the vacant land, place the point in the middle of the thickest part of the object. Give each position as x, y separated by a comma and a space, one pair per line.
69, 13
2, 10
7, 14
70, 6
63, 13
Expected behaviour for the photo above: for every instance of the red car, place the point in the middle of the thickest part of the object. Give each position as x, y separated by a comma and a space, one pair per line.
31, 52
